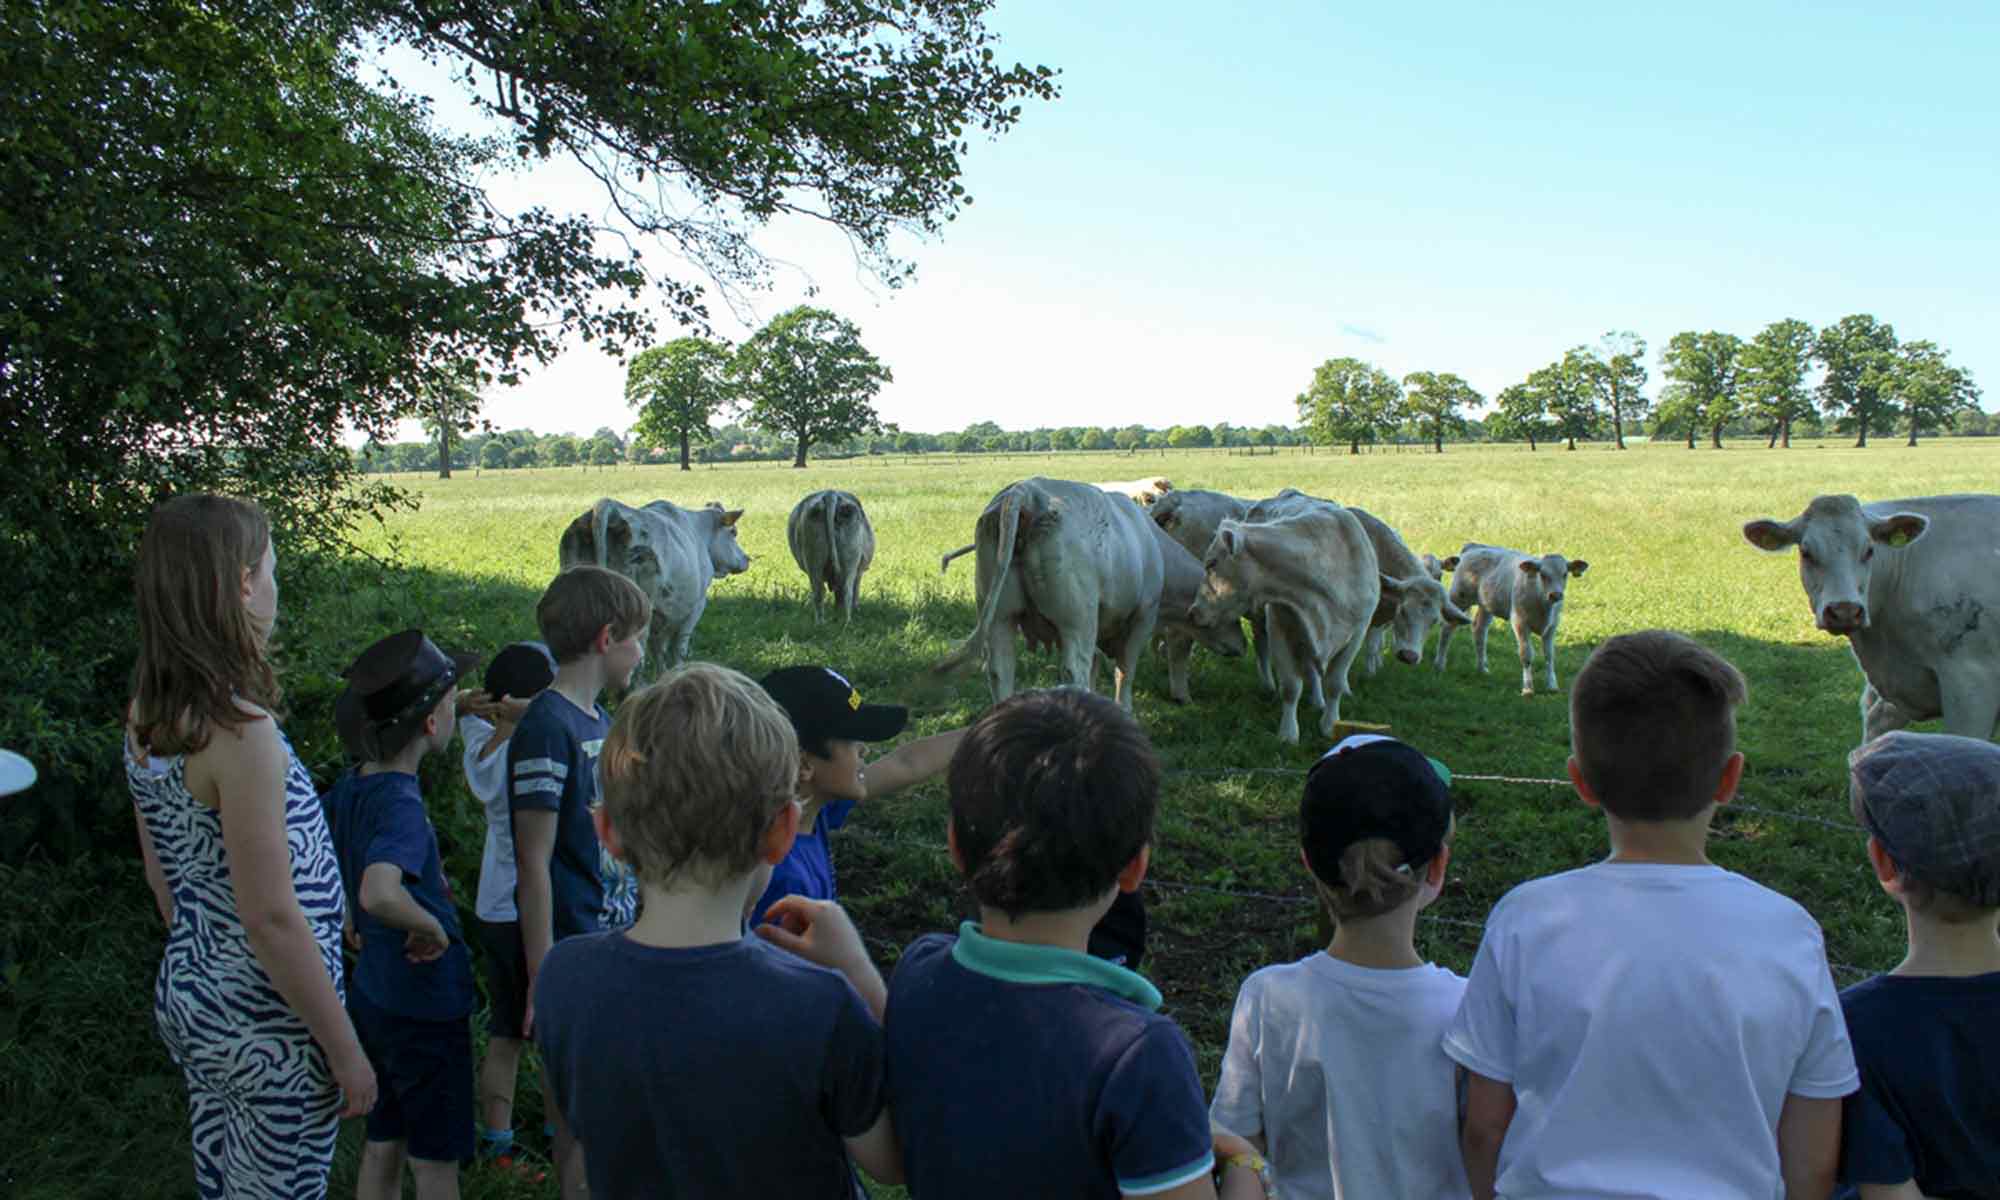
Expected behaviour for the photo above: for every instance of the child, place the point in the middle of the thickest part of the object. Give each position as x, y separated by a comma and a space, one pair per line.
594, 623
1017, 1063
1651, 1025
515, 677
412, 989
1334, 1060
1926, 1119
689, 1058
833, 727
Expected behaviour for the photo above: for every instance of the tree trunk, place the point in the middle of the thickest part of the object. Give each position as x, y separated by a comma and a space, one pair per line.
1618, 427
1715, 435
1861, 418
799, 459
1354, 447
1572, 442
444, 450
1786, 426
1531, 443
1913, 429
684, 451
1690, 433
1437, 439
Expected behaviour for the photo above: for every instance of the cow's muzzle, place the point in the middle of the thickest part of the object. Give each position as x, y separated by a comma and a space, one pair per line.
1412, 657
1843, 618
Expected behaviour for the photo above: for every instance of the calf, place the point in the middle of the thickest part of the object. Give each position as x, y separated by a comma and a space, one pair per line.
1525, 592
834, 544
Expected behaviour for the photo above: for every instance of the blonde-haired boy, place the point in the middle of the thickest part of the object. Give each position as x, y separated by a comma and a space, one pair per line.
1651, 1025
687, 1058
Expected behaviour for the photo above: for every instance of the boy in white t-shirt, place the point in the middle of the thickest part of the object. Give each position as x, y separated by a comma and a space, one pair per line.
516, 676
1333, 1066
1652, 1025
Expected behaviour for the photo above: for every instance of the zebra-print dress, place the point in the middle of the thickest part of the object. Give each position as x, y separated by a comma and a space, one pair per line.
262, 1101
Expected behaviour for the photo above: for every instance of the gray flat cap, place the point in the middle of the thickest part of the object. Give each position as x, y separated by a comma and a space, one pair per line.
1933, 801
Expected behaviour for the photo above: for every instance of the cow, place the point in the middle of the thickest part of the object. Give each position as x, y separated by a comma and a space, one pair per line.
834, 544
1142, 491
1066, 563
672, 553
1313, 574
1914, 587
1524, 591
1192, 516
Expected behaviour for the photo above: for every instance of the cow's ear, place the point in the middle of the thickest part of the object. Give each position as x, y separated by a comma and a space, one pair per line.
1577, 566
1530, 567
730, 517
1454, 614
1898, 529
1231, 539
1449, 564
1766, 534
1392, 586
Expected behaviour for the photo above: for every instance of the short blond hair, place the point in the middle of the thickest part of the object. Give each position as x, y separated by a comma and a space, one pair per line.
693, 770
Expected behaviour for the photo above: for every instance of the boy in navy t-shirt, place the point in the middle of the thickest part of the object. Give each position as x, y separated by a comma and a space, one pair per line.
691, 1059
412, 989
1017, 1063
1927, 1118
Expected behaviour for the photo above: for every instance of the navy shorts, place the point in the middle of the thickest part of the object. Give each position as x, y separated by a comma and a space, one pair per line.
423, 1081
506, 976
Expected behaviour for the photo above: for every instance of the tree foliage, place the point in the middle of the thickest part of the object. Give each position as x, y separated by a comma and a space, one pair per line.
1771, 376
1932, 392
806, 374
679, 388
1568, 394
1437, 403
1859, 356
1616, 370
1350, 402
1702, 391
1520, 411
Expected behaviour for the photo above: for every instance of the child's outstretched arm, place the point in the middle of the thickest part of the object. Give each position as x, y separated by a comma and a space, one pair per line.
1489, 1109
384, 897
1809, 1147
912, 762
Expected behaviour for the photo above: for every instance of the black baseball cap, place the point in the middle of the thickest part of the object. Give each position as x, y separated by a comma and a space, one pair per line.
391, 687
823, 704
1371, 786
1933, 801
521, 670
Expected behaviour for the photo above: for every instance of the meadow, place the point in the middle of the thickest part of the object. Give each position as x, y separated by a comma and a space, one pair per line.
94, 1106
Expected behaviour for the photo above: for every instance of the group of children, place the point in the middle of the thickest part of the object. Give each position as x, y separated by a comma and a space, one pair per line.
1651, 1025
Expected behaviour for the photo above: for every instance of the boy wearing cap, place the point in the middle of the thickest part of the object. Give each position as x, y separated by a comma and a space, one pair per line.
1334, 1067
833, 728
411, 990
1017, 1063
486, 721
1651, 1025
1926, 1122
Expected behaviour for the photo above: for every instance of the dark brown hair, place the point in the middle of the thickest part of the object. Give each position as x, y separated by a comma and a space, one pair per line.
1652, 721
199, 651
1052, 794
583, 600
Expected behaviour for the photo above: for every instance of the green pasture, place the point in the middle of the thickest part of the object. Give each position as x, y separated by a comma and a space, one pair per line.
1658, 525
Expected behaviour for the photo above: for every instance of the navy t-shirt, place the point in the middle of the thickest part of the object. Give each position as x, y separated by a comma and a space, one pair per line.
552, 767
380, 818
807, 869
1929, 1105
733, 1069
1019, 1070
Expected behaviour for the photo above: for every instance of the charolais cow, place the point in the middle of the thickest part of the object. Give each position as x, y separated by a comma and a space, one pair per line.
1914, 586
672, 553
1143, 491
1313, 575
834, 544
1066, 563
1524, 591
1191, 517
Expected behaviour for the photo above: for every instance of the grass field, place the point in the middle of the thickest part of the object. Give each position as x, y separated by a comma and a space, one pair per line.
1659, 526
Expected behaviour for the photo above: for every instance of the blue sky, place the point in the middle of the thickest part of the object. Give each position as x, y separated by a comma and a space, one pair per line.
1220, 200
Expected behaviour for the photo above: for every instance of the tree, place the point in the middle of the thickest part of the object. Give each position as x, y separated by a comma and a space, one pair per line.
1701, 391
1188, 437
1771, 376
1063, 439
1349, 401
602, 451
1093, 439
1569, 396
1520, 410
1933, 393
807, 375
1129, 438
1616, 368
448, 407
1436, 401
678, 389
1858, 353
561, 451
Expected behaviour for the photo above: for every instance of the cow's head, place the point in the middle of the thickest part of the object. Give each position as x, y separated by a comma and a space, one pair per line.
1836, 541
1548, 575
1419, 604
1166, 512
1225, 583
724, 553
1435, 567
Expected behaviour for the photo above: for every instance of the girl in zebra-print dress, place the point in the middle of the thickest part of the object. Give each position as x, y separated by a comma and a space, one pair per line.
249, 994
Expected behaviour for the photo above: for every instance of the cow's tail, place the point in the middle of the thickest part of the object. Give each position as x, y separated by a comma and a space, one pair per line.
944, 563
989, 604
600, 528
829, 508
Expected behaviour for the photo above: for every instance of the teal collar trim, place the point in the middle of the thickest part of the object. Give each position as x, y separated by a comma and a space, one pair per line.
1019, 962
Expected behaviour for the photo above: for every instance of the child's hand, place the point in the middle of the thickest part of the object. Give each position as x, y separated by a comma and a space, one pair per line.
474, 702
818, 931
425, 945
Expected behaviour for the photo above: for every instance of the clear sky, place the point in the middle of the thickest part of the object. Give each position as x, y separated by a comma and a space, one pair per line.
1225, 196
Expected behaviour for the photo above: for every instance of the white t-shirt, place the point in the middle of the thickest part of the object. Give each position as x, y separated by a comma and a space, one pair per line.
487, 778
1651, 1019
1339, 1068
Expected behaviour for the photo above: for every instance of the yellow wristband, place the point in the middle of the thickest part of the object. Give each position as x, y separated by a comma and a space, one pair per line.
1252, 1161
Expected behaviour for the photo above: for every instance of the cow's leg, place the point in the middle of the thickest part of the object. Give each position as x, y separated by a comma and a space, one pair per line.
1444, 641
819, 601
1371, 651
1177, 649
1524, 641
1000, 660
1260, 638
1078, 648
1878, 714
1549, 656
1971, 699
1336, 675
850, 597
1480, 624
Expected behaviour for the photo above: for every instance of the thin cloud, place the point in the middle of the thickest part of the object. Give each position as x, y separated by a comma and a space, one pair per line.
1366, 335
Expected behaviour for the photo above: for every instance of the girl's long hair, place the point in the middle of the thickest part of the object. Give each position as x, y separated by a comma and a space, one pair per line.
199, 652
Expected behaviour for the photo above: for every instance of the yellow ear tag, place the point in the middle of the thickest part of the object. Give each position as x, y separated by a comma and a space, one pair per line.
854, 700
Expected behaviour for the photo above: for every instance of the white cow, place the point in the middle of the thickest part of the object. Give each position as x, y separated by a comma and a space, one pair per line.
1192, 516
1065, 563
834, 544
672, 553
1914, 586
1313, 574
1143, 491
1524, 591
